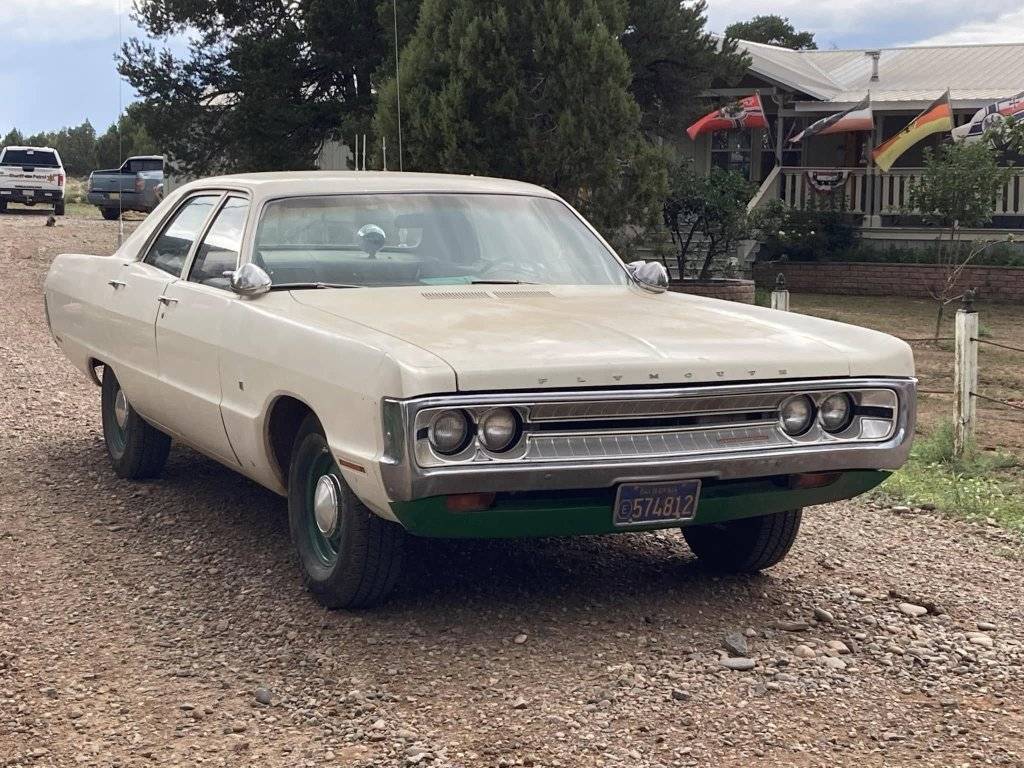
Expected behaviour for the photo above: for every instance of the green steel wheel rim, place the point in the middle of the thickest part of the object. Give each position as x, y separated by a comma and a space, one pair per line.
324, 546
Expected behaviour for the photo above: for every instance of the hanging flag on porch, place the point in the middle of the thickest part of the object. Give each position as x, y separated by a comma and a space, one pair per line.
990, 117
859, 117
747, 113
936, 118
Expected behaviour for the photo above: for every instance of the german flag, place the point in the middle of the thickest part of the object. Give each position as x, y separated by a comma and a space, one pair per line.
938, 117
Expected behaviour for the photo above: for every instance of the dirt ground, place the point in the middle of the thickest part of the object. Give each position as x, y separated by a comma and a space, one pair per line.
144, 623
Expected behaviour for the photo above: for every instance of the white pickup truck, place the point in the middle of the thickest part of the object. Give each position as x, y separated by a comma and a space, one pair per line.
31, 175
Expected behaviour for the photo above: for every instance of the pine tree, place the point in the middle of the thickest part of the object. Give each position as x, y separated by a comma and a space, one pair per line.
538, 91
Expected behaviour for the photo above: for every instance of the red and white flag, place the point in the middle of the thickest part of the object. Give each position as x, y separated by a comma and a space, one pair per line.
745, 114
990, 117
859, 117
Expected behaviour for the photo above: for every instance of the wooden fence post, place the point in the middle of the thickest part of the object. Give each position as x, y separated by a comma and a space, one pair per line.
780, 296
965, 374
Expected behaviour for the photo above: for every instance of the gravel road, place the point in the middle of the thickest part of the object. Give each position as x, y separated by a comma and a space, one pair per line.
164, 623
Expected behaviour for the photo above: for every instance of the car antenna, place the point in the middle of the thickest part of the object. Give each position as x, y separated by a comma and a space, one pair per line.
120, 131
398, 84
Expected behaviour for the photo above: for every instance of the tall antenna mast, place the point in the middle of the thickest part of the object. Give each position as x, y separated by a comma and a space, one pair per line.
398, 84
120, 131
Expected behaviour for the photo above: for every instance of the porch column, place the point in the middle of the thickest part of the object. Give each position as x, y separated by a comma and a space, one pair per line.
872, 217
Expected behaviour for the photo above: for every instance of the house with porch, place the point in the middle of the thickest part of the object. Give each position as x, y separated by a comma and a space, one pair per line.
798, 88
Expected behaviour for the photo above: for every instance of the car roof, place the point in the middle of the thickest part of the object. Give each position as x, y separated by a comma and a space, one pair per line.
144, 157
302, 183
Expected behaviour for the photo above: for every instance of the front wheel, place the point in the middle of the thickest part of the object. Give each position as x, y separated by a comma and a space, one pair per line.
349, 557
747, 545
137, 449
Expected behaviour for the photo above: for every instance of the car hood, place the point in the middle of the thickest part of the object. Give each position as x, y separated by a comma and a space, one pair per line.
530, 337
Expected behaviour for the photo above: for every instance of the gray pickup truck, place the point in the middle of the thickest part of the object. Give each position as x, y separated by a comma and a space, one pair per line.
138, 185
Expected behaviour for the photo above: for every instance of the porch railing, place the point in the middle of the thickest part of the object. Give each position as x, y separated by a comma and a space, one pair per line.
869, 191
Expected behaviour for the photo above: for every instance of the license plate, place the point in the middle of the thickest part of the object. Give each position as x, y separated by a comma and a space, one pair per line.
644, 503
28, 192
113, 195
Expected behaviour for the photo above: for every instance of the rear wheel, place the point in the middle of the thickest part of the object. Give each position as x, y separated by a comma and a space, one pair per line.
110, 214
747, 545
137, 449
350, 557
3, 206
58, 208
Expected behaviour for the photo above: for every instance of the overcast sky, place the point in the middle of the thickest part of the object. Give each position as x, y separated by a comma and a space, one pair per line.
57, 56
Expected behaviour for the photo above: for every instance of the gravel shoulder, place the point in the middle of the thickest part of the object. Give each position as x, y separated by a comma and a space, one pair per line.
149, 623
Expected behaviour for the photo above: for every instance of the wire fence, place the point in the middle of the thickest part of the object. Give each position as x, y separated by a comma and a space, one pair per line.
965, 388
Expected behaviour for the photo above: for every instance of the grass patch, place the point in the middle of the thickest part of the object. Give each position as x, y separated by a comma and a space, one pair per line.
973, 487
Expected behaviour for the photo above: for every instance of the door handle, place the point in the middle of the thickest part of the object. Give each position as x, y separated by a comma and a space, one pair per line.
115, 284
166, 300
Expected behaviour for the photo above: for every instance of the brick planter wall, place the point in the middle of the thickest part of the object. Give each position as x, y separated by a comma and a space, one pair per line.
866, 278
730, 290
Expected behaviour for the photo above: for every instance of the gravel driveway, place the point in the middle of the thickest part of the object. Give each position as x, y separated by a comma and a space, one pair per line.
164, 623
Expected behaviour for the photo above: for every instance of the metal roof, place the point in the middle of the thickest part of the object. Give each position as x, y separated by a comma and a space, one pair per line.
975, 74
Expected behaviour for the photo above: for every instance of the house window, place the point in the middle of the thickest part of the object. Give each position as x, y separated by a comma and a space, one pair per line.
731, 150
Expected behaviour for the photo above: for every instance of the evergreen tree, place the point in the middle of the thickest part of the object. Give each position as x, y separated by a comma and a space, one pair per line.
536, 91
263, 83
772, 30
13, 139
674, 60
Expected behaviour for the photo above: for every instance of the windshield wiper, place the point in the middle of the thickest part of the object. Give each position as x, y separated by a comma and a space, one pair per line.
500, 282
299, 286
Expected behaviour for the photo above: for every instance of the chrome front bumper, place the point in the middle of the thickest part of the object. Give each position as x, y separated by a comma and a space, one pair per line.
743, 450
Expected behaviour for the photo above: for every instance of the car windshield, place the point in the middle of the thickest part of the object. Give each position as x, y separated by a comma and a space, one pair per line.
429, 239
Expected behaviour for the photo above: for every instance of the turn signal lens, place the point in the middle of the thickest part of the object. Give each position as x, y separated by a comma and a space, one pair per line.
498, 429
796, 415
469, 502
450, 432
836, 412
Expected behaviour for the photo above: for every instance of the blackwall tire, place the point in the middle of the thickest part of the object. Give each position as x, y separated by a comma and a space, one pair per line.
137, 449
354, 562
747, 545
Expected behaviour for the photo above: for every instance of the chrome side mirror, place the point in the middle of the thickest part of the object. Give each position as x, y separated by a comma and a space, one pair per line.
650, 275
250, 280
372, 238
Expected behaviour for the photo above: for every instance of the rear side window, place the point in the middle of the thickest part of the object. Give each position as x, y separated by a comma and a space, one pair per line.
218, 252
170, 250
39, 158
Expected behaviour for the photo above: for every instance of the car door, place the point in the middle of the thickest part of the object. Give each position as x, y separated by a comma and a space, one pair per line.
134, 297
189, 333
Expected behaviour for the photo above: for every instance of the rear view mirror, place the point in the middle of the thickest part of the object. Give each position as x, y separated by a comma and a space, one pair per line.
250, 280
650, 275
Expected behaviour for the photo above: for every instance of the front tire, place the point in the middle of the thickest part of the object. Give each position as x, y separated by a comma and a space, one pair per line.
747, 545
349, 556
137, 449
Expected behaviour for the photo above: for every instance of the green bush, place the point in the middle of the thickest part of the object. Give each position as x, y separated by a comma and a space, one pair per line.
815, 234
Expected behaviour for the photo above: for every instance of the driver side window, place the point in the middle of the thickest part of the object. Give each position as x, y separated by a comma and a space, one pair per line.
218, 253
170, 250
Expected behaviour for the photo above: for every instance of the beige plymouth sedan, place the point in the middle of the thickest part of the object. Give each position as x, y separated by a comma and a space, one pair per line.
465, 357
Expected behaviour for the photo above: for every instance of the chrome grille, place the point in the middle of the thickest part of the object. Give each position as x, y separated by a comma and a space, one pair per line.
594, 426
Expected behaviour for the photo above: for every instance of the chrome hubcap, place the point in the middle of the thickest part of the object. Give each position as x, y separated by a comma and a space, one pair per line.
325, 504
121, 409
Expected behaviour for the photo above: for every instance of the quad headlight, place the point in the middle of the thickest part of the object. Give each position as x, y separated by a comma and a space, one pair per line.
836, 412
498, 429
449, 432
796, 415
